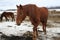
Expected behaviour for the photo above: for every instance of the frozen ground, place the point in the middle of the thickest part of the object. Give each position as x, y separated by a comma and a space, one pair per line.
10, 28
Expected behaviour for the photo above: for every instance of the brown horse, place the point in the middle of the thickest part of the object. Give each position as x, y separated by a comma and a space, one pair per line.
7, 15
36, 15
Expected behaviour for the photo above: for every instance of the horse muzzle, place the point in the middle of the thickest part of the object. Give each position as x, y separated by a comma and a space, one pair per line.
18, 24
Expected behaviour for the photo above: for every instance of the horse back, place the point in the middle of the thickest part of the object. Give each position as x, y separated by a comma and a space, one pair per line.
31, 11
7, 14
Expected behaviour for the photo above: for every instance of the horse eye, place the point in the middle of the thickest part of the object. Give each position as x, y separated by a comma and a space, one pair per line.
21, 13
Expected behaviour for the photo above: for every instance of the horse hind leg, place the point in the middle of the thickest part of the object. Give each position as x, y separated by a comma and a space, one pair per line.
7, 19
44, 27
13, 18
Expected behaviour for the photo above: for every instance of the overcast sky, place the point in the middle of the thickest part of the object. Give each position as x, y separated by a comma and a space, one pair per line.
9, 4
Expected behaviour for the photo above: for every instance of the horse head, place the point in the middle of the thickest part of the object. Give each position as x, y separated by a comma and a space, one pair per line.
20, 14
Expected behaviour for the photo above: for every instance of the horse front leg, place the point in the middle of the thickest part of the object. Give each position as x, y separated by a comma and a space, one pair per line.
34, 33
7, 19
35, 22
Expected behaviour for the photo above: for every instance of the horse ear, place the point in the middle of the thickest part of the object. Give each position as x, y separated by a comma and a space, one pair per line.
17, 6
21, 6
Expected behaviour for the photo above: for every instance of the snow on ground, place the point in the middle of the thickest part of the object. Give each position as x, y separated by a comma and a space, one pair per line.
10, 28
